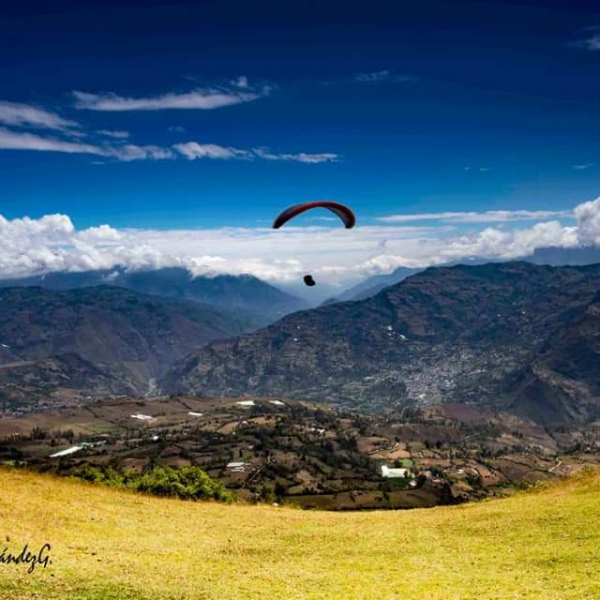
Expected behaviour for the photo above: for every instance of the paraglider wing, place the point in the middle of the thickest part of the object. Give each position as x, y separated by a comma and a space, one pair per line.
343, 212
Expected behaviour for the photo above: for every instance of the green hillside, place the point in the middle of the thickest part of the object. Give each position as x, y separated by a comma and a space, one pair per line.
112, 544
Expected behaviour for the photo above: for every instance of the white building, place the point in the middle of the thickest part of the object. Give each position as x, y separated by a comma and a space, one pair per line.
391, 473
237, 467
66, 452
246, 403
142, 417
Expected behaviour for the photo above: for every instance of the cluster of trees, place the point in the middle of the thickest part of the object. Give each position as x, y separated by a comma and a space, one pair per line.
188, 483
57, 437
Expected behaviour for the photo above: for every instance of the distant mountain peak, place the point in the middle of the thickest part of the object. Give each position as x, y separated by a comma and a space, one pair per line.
258, 301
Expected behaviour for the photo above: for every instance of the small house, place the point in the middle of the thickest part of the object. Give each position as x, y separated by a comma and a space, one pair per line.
393, 473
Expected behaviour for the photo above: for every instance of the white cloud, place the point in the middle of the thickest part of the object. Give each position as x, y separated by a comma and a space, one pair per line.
490, 216
241, 81
193, 150
25, 115
198, 99
29, 246
494, 243
591, 43
101, 233
131, 152
117, 135
302, 157
583, 166
385, 75
323, 219
383, 263
333, 254
588, 222
10, 140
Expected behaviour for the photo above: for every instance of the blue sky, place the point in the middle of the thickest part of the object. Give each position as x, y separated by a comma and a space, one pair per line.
393, 107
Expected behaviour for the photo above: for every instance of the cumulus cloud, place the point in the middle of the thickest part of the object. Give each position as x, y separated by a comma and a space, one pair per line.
25, 115
198, 99
588, 222
496, 243
333, 254
101, 233
29, 246
384, 263
489, 216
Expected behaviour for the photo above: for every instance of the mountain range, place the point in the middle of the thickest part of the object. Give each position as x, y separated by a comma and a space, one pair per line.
97, 340
373, 285
550, 255
246, 296
512, 335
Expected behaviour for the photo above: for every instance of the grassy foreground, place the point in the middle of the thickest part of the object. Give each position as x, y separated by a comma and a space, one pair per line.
111, 544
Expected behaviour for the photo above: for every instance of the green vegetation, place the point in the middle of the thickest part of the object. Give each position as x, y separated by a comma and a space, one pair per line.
187, 483
112, 544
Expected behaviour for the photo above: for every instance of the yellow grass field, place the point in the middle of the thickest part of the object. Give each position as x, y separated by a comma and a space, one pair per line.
110, 544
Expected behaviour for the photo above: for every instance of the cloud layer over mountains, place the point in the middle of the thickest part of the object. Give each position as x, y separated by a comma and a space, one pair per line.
52, 243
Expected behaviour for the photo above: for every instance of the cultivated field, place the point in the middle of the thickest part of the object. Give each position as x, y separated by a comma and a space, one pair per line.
113, 544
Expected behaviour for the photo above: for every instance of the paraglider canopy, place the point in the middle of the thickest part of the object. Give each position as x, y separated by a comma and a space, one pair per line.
309, 281
343, 212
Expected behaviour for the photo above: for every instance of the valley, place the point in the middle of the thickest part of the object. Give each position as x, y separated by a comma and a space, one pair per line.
299, 300
456, 384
